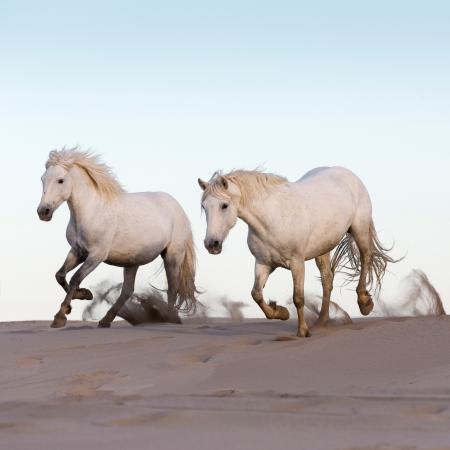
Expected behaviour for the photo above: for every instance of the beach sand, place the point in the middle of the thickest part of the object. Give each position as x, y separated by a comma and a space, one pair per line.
375, 384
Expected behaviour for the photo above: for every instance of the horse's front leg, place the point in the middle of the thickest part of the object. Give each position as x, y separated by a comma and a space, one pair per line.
129, 277
87, 267
173, 261
272, 311
72, 261
298, 274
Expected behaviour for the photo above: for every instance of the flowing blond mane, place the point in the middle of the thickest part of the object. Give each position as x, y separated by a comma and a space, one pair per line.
251, 183
99, 173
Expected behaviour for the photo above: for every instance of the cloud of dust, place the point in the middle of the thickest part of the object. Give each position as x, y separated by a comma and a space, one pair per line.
416, 296
148, 306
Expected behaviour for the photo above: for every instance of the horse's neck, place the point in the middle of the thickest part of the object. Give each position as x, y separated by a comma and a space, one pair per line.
84, 201
255, 216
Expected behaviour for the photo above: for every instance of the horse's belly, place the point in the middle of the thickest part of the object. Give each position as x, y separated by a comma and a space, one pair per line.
324, 242
321, 248
136, 249
134, 256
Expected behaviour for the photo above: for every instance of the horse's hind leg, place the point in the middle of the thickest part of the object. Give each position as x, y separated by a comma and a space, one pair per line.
361, 234
271, 311
326, 274
70, 263
172, 265
129, 277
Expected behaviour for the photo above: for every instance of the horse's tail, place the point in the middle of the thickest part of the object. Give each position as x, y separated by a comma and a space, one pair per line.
187, 291
347, 260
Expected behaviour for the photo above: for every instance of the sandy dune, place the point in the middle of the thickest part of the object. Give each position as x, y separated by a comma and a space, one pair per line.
376, 384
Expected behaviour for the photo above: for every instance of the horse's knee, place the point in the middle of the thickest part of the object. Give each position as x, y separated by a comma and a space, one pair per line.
75, 282
60, 277
257, 295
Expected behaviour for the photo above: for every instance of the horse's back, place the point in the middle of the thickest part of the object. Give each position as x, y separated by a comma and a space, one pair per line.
159, 207
148, 200
330, 173
313, 172
336, 179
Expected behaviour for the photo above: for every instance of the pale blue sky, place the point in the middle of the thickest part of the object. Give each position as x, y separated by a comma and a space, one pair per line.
169, 91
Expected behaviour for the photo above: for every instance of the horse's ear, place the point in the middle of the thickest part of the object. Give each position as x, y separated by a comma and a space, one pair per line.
202, 184
224, 182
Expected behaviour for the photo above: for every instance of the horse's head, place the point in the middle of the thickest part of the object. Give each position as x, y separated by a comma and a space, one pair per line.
220, 202
56, 189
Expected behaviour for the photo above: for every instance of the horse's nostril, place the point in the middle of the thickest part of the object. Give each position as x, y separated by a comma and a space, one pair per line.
47, 211
216, 244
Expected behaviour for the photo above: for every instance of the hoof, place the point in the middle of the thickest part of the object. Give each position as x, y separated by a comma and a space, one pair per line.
303, 334
279, 312
173, 317
104, 324
366, 309
59, 322
83, 294
365, 305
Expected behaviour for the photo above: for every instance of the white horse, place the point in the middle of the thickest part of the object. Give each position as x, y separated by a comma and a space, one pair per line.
290, 223
109, 225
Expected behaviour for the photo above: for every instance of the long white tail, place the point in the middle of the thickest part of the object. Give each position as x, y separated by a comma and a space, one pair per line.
187, 291
346, 259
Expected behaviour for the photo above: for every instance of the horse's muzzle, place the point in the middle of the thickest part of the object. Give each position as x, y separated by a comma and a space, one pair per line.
213, 246
45, 213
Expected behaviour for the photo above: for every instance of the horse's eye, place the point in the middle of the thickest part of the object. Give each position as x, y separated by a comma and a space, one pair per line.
60, 181
224, 206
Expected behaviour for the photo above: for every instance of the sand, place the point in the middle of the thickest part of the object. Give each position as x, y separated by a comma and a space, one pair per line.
375, 384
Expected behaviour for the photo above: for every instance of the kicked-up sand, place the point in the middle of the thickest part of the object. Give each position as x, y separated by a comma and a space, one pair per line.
374, 384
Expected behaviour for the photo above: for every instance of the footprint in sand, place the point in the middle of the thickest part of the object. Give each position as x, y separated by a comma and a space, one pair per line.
197, 358
29, 361
246, 342
144, 420
285, 338
202, 355
84, 385
224, 393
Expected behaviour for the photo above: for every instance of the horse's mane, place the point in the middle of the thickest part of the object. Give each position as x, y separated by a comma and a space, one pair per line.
99, 173
250, 182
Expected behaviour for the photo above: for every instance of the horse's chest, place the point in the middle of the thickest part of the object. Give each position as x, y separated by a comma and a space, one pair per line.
79, 245
268, 252
80, 241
